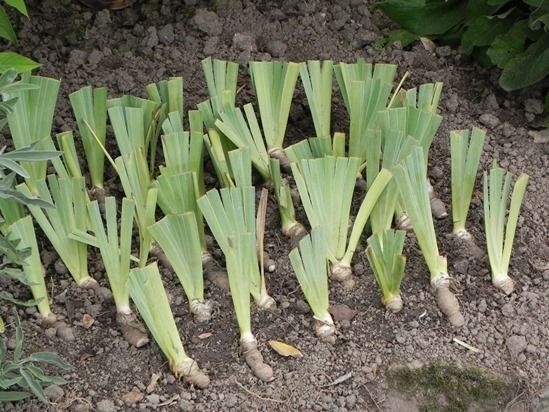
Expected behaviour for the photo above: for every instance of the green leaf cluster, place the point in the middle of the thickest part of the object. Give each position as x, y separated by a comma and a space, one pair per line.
510, 34
20, 377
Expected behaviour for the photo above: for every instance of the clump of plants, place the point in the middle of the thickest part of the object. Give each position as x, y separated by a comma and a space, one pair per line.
512, 35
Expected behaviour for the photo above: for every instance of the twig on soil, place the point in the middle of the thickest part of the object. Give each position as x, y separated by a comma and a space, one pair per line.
339, 380
372, 397
466, 345
257, 395
170, 401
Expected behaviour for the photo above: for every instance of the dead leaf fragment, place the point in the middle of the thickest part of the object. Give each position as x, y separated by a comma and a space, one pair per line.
342, 312
539, 136
427, 44
285, 349
87, 321
132, 397
204, 335
154, 382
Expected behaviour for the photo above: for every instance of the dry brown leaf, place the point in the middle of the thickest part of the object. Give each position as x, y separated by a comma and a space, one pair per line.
342, 312
204, 335
285, 349
427, 44
132, 397
87, 321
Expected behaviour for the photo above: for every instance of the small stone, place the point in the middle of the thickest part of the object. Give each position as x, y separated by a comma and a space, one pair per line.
231, 401
95, 57
302, 306
533, 106
276, 48
210, 45
207, 22
106, 405
153, 399
50, 332
186, 405
400, 339
489, 120
461, 265
103, 292
103, 18
482, 306
351, 401
60, 267
491, 102
65, 333
452, 103
151, 38
508, 310
54, 392
244, 42
166, 34
444, 51
516, 344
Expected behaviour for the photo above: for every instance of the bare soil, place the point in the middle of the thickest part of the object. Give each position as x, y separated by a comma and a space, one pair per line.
153, 40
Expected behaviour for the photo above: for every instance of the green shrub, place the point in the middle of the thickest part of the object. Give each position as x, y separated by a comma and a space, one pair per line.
511, 34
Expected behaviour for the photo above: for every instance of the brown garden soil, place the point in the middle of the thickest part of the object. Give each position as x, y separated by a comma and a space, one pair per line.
153, 40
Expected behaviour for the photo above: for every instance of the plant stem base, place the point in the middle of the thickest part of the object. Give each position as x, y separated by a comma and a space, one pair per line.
132, 329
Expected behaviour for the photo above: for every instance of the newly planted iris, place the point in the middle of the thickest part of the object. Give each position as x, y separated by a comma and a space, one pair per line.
500, 232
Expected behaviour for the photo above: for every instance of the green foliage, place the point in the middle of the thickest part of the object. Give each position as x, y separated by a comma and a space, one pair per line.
23, 374
512, 35
12, 60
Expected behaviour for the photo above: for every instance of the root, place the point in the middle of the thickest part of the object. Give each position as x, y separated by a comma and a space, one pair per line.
254, 359
393, 304
161, 257
88, 283
467, 242
295, 231
325, 331
49, 320
63, 331
132, 329
191, 373
201, 310
218, 277
343, 273
437, 206
449, 305
97, 193
266, 302
505, 284
278, 153
403, 222
207, 259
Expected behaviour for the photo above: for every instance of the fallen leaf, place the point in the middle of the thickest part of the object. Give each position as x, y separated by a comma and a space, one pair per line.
427, 44
87, 321
204, 335
539, 136
132, 397
151, 387
285, 349
342, 312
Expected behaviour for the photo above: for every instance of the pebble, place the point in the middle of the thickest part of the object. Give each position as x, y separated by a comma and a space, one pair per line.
95, 57
491, 102
103, 18
60, 267
207, 22
151, 38
244, 42
153, 399
482, 306
54, 392
132, 397
516, 344
103, 292
489, 120
186, 405
106, 405
276, 48
65, 333
210, 45
166, 34
452, 103
508, 310
533, 106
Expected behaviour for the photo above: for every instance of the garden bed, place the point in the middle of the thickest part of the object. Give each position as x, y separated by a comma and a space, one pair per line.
127, 50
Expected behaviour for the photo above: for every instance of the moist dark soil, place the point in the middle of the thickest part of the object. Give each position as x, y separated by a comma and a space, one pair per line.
153, 40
